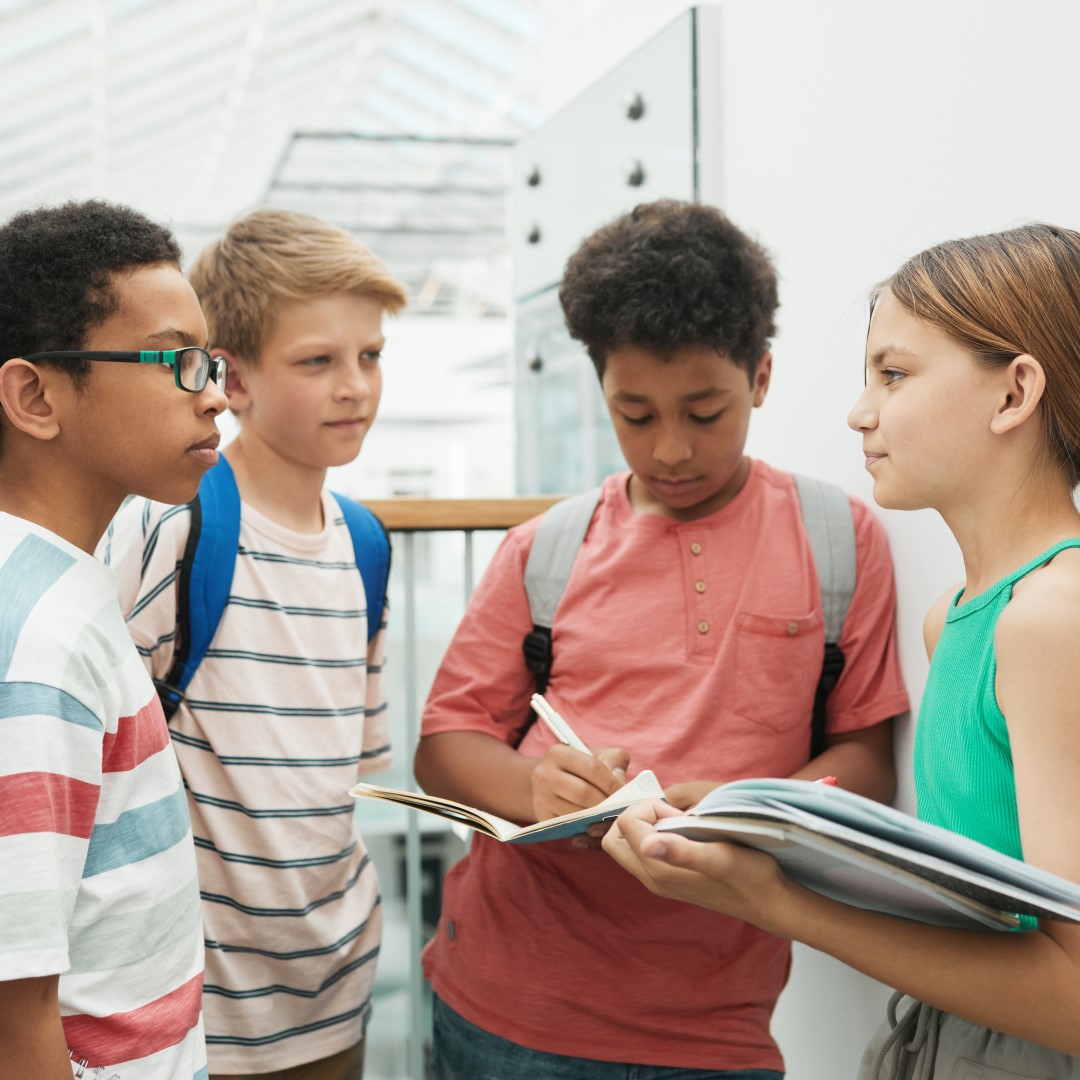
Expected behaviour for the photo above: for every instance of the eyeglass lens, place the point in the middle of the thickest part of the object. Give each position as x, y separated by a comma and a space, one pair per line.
194, 368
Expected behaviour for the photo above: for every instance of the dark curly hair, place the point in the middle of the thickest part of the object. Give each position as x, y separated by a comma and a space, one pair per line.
668, 275
56, 266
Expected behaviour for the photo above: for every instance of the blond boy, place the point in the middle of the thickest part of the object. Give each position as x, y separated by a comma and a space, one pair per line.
288, 704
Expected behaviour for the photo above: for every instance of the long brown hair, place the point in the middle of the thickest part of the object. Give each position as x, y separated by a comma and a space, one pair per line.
1006, 294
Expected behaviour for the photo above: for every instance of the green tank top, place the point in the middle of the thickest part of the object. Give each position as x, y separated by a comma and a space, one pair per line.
963, 761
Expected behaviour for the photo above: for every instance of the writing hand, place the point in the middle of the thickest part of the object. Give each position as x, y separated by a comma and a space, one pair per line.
566, 780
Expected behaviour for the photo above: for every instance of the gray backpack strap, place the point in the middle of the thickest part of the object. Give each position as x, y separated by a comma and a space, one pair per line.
826, 514
551, 557
547, 570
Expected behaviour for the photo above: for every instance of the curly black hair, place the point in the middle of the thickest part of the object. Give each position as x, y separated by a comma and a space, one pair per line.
668, 275
56, 266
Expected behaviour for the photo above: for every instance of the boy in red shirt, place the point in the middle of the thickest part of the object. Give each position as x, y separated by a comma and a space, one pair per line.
689, 641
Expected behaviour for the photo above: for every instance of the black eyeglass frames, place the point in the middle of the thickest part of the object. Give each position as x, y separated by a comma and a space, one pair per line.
192, 367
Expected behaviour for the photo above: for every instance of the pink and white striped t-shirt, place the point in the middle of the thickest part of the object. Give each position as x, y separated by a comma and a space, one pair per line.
286, 710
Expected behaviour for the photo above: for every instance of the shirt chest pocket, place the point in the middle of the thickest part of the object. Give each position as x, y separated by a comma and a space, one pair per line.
778, 662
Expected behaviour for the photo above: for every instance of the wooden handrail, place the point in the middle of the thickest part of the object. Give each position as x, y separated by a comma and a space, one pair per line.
438, 515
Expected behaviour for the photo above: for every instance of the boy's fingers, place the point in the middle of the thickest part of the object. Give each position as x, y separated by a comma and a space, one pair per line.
615, 759
594, 769
566, 780
586, 767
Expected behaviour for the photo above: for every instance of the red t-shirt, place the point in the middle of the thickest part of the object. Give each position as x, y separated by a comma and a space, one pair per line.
697, 647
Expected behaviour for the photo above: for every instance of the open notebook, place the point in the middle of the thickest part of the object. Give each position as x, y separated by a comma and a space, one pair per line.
643, 786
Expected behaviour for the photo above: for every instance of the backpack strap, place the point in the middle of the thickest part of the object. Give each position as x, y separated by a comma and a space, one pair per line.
826, 514
547, 570
204, 579
371, 546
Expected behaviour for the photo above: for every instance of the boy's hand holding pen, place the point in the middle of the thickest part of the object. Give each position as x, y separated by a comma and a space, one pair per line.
570, 776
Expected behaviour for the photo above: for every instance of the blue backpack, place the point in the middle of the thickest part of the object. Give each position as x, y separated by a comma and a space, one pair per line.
206, 573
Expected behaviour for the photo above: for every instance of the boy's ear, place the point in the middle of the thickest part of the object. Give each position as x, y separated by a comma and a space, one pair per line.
1023, 386
236, 380
30, 395
762, 375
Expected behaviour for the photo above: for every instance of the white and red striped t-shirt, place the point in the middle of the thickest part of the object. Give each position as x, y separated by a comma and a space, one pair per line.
97, 867
285, 711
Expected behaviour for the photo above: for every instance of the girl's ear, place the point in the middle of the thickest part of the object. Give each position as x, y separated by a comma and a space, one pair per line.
236, 380
27, 396
1024, 386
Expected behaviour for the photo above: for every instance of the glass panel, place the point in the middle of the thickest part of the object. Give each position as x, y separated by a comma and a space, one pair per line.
558, 429
565, 439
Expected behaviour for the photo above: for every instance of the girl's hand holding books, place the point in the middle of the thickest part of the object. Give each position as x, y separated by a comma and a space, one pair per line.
723, 877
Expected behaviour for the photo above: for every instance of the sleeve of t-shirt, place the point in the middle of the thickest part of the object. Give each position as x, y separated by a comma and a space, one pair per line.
871, 688
144, 546
375, 753
50, 784
482, 684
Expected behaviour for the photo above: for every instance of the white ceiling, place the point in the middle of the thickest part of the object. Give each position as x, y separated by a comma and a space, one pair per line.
386, 116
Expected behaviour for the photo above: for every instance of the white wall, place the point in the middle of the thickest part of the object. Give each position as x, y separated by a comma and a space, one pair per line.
441, 415
855, 133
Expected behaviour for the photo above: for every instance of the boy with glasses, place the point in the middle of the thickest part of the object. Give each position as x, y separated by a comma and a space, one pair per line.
288, 704
100, 945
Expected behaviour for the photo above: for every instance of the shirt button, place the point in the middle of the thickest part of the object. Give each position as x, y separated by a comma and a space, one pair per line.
451, 930
793, 628
703, 627
695, 549
699, 585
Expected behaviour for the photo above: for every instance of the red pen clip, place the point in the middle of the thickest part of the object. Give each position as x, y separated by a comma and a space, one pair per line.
830, 780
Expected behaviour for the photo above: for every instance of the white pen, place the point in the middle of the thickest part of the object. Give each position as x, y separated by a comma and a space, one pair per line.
558, 726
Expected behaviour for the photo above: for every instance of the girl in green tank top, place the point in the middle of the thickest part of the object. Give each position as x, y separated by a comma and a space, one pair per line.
963, 758
972, 408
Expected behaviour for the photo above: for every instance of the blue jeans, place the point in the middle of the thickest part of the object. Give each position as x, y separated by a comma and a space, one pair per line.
463, 1051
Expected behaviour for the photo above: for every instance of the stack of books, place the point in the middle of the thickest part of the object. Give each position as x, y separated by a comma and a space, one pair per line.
872, 856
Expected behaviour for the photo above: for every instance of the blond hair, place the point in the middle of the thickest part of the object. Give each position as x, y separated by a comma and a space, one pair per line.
1004, 295
273, 255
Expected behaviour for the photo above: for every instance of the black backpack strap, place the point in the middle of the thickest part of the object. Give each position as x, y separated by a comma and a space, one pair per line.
547, 570
826, 514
